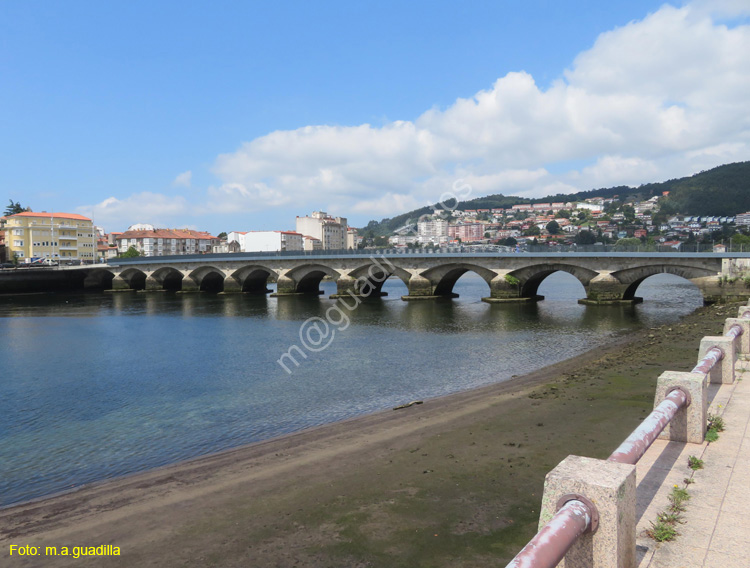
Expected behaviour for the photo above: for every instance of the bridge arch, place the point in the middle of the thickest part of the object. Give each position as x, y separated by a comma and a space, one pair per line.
135, 278
206, 279
531, 277
370, 278
633, 277
168, 278
306, 279
99, 278
444, 278
253, 279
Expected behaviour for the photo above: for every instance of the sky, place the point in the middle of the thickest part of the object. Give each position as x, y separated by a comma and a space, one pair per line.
242, 115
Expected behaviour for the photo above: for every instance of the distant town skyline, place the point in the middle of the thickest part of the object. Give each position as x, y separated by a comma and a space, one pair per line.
245, 115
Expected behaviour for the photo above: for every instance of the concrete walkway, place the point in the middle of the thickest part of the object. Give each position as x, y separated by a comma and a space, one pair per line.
716, 528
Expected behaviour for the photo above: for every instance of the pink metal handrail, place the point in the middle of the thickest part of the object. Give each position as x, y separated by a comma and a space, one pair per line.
550, 544
712, 356
716, 354
735, 331
633, 448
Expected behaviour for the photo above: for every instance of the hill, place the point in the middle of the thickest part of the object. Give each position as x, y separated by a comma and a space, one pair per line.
724, 190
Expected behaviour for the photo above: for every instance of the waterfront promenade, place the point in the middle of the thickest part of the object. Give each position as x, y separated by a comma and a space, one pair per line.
716, 528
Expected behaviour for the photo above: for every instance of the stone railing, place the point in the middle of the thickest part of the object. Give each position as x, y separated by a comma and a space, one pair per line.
588, 515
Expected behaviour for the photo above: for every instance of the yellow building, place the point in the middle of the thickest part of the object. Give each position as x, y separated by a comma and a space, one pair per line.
56, 236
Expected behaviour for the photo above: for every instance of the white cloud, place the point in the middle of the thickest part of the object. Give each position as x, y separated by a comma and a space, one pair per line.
146, 207
183, 180
654, 99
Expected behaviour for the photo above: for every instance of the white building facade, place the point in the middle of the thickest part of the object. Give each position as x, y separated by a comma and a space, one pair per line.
267, 241
331, 231
434, 231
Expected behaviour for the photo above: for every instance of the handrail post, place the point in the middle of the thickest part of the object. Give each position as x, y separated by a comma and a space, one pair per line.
724, 372
689, 424
743, 341
612, 487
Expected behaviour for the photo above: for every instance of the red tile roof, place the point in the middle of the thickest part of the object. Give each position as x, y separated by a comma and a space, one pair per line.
48, 215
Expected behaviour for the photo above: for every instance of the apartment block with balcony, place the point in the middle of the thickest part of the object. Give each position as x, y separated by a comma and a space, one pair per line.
166, 242
434, 231
55, 236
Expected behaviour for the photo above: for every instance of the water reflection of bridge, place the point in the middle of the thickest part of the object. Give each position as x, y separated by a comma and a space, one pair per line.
606, 277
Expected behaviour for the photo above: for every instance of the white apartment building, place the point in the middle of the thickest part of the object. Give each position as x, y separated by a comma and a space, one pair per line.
331, 231
267, 241
434, 231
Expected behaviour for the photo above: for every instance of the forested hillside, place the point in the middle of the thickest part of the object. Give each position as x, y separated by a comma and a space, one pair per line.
724, 190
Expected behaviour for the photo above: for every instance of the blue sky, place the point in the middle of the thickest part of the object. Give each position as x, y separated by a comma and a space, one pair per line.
241, 115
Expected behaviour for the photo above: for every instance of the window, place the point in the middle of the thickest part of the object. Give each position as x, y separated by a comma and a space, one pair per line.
18, 232
17, 243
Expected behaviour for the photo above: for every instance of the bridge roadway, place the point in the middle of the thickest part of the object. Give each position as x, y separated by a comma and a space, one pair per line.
608, 278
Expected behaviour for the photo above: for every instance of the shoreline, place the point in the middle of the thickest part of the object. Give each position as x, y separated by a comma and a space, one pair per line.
343, 493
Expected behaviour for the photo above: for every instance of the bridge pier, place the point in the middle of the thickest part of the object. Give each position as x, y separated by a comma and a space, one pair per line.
421, 288
189, 285
606, 290
285, 286
153, 285
119, 284
361, 287
231, 286
505, 288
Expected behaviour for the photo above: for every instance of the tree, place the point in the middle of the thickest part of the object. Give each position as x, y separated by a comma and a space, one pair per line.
509, 242
629, 213
585, 238
553, 228
532, 231
222, 235
132, 252
14, 208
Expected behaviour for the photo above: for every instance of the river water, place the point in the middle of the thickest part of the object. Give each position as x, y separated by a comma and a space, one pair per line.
95, 386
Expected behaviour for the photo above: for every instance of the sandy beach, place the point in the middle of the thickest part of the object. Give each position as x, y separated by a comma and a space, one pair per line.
455, 481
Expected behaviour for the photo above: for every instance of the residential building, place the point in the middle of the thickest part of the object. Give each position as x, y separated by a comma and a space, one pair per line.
54, 236
311, 243
330, 231
226, 247
742, 219
467, 233
353, 240
166, 242
403, 240
434, 231
266, 241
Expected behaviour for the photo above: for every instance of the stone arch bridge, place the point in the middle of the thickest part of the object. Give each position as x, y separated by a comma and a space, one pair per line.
606, 277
